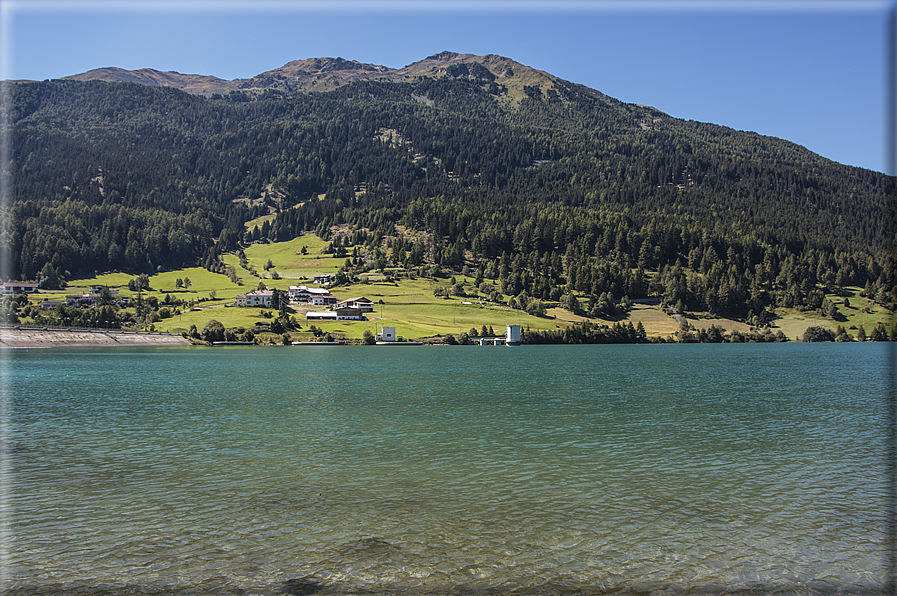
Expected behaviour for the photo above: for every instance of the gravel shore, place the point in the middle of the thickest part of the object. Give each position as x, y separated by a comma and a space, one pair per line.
25, 337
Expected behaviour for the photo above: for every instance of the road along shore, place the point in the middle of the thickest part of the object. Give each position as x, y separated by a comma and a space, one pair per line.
37, 337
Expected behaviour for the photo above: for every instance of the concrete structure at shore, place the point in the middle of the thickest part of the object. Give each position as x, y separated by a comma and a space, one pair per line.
39, 337
387, 337
510, 338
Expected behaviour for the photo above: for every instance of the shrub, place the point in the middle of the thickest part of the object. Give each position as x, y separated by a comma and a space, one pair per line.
213, 331
818, 334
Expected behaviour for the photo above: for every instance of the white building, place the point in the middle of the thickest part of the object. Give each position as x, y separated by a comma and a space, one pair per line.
318, 296
256, 298
299, 294
387, 334
510, 338
326, 300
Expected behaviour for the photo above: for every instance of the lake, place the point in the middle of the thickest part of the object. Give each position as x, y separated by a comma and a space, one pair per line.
734, 468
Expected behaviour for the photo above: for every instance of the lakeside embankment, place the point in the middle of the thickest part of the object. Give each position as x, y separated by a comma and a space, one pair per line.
40, 337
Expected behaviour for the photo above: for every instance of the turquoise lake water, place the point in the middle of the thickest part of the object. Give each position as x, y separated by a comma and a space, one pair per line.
668, 469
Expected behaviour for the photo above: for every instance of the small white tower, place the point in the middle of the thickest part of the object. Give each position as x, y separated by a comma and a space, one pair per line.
512, 336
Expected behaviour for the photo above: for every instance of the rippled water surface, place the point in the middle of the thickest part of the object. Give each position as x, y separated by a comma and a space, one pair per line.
458, 470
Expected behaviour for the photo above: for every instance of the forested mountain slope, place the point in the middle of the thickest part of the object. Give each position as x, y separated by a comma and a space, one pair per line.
481, 155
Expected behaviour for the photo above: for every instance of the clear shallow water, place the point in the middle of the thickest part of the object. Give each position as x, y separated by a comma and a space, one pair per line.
462, 470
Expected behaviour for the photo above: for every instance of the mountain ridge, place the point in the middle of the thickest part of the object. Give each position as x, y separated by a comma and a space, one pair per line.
323, 74
191, 83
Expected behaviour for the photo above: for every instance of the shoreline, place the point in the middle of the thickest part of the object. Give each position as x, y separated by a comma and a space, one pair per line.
37, 337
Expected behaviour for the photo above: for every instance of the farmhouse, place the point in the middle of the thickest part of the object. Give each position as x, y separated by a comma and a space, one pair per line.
361, 303
352, 314
318, 296
323, 299
324, 279
299, 294
256, 298
16, 287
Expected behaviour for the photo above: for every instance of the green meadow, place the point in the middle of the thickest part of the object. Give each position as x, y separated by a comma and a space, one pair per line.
406, 303
410, 306
288, 260
203, 285
861, 311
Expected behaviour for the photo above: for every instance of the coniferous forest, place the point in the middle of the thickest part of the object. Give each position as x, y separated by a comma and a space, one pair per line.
565, 191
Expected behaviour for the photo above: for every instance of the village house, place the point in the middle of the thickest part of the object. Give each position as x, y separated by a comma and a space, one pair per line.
317, 296
323, 300
349, 314
299, 294
256, 298
361, 303
324, 279
17, 287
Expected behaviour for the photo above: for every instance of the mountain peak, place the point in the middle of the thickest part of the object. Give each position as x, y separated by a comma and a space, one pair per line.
191, 83
310, 65
327, 73
443, 56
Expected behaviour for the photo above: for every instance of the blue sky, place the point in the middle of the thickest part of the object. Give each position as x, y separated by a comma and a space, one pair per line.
810, 72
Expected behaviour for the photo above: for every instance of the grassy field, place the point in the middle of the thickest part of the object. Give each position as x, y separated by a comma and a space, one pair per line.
229, 316
415, 312
409, 304
794, 323
203, 284
288, 261
862, 311
656, 322
259, 221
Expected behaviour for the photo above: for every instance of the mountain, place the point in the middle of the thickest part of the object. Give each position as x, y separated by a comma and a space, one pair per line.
456, 160
327, 74
198, 84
